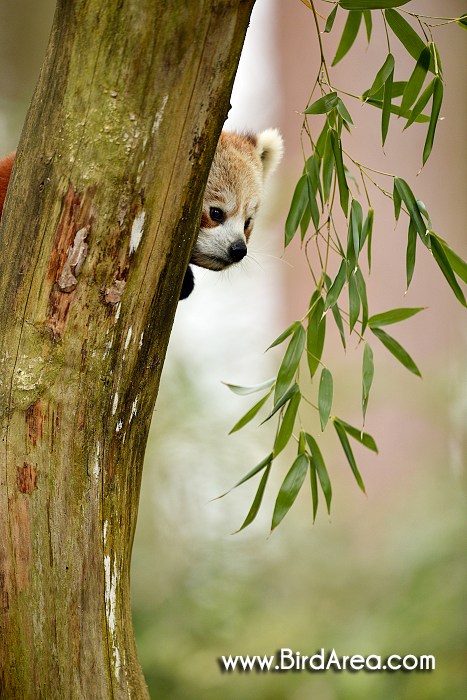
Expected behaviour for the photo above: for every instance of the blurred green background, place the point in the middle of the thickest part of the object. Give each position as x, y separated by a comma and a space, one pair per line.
386, 573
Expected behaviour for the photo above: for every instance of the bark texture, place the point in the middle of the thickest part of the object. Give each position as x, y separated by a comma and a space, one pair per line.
96, 233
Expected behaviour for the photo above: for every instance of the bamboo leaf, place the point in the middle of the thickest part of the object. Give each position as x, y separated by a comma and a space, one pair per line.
290, 362
386, 112
282, 401
249, 415
368, 233
458, 265
368, 24
397, 201
285, 334
316, 332
348, 453
328, 167
361, 287
312, 170
393, 316
337, 315
382, 75
368, 371
406, 35
336, 287
435, 110
416, 113
416, 80
411, 251
363, 438
286, 429
252, 513
289, 490
323, 105
325, 396
245, 390
343, 111
330, 20
445, 267
354, 302
371, 4
395, 109
462, 22
397, 350
259, 467
313, 204
341, 179
318, 461
410, 202
297, 209
356, 217
349, 35
314, 487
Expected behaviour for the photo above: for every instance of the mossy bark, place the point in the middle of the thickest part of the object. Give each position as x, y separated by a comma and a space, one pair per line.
96, 233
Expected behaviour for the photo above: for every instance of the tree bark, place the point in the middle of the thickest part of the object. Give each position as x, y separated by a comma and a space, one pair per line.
97, 230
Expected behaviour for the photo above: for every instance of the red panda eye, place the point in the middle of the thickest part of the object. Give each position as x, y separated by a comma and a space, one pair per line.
247, 223
216, 214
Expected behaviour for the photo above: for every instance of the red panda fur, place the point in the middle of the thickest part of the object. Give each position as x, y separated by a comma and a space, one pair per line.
6, 164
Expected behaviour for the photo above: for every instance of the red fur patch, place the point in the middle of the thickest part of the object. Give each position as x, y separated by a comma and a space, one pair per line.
6, 164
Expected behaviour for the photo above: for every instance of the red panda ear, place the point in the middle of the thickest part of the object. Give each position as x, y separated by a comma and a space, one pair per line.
270, 147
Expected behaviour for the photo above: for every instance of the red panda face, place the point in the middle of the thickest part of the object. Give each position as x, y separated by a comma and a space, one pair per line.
233, 195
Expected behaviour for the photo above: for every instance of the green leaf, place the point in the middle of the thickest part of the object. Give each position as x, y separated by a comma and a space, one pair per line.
382, 75
312, 170
368, 23
367, 232
415, 115
282, 401
457, 263
410, 202
396, 198
249, 415
395, 109
397, 350
443, 262
356, 218
341, 179
368, 371
354, 302
364, 438
325, 396
330, 20
312, 203
314, 487
259, 467
316, 332
318, 461
323, 105
349, 35
393, 316
285, 334
286, 429
336, 313
406, 35
435, 110
252, 513
398, 87
328, 167
361, 287
462, 22
290, 362
348, 453
386, 112
416, 80
370, 4
245, 390
336, 287
297, 209
343, 111
289, 490
411, 251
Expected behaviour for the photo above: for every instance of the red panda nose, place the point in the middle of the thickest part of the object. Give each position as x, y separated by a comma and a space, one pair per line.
237, 251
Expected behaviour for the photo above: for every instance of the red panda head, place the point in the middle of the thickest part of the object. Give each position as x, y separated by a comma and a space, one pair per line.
233, 195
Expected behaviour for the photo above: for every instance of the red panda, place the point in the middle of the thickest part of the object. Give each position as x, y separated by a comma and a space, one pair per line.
231, 199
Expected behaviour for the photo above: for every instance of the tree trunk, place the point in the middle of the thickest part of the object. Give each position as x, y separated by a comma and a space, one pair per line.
95, 237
